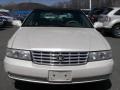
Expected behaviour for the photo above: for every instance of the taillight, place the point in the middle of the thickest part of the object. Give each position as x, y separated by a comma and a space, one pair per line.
107, 18
104, 19
93, 19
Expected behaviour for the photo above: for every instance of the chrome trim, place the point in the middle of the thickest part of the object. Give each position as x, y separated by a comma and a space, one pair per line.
51, 58
45, 81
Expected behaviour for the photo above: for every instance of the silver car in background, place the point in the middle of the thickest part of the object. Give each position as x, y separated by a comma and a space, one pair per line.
110, 20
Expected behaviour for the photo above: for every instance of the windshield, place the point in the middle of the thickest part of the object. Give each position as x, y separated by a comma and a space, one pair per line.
107, 10
57, 18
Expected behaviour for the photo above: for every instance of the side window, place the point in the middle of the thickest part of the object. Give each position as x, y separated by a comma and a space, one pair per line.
117, 13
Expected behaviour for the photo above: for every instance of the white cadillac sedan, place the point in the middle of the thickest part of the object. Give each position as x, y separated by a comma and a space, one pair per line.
58, 47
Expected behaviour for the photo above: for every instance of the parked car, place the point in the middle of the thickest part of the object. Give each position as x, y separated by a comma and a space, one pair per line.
94, 14
1, 21
110, 19
58, 50
6, 19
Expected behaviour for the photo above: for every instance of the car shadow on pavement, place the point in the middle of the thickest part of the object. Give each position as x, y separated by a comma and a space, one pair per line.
1, 29
108, 35
103, 85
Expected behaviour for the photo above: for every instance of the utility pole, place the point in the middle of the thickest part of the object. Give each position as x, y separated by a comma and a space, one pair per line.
78, 4
90, 4
64, 4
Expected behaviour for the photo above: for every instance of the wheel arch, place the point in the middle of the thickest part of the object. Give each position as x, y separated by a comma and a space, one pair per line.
117, 23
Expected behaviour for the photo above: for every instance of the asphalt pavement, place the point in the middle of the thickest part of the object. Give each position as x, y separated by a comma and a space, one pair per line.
8, 84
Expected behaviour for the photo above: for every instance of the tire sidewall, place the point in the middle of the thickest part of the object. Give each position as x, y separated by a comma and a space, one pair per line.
114, 30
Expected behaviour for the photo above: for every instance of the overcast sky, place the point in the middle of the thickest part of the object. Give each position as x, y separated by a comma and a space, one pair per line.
47, 2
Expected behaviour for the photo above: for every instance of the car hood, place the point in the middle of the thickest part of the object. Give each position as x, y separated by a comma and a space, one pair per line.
8, 17
59, 39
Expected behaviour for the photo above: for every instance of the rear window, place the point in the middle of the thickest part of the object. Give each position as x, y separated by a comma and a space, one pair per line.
107, 10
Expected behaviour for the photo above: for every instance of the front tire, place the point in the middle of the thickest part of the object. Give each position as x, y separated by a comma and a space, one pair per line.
116, 31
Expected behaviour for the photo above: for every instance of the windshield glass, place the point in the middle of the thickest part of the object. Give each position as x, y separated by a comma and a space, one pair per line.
107, 10
57, 18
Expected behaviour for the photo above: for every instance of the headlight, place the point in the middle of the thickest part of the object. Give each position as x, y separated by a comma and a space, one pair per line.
100, 55
18, 54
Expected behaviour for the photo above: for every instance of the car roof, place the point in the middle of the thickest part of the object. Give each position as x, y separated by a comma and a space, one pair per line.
4, 10
115, 7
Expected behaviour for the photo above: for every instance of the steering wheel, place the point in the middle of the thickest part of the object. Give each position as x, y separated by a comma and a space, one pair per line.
73, 23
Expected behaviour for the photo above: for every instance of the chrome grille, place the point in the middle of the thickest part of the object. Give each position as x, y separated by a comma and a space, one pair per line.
59, 58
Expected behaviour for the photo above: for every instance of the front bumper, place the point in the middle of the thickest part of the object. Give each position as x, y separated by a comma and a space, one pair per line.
107, 25
28, 71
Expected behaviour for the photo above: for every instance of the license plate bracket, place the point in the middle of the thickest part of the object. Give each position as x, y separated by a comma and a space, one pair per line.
60, 76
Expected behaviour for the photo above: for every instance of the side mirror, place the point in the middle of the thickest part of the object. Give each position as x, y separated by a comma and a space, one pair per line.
17, 23
98, 25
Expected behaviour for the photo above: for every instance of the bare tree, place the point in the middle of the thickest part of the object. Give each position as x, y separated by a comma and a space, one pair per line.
115, 3
75, 4
84, 4
62, 4
1, 6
